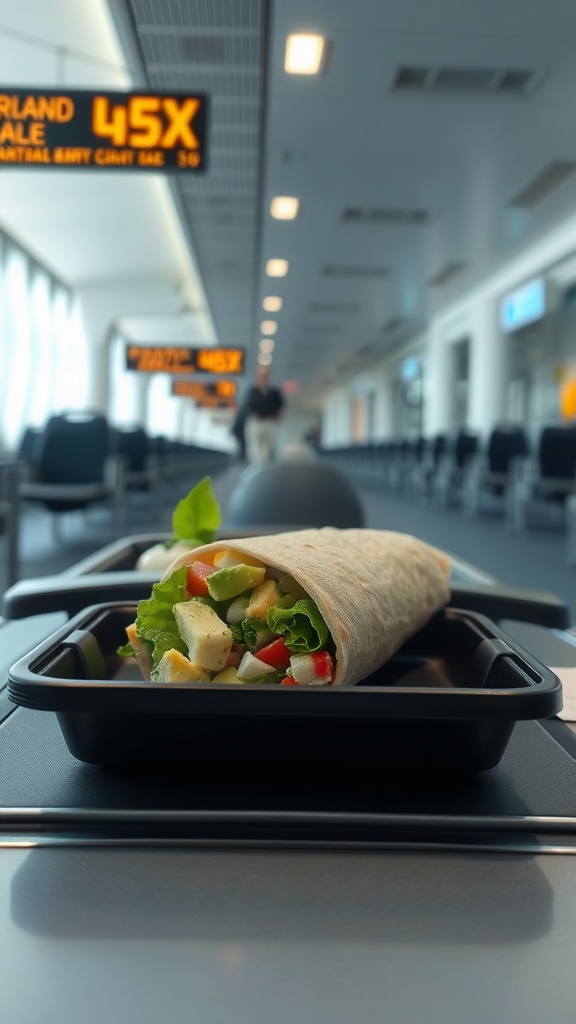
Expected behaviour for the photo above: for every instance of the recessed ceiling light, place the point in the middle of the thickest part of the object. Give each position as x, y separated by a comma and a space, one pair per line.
268, 327
264, 359
284, 207
266, 345
303, 54
277, 268
272, 304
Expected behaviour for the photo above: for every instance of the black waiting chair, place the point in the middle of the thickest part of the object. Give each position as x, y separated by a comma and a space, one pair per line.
294, 494
140, 467
424, 471
29, 444
543, 485
488, 474
11, 468
74, 468
448, 481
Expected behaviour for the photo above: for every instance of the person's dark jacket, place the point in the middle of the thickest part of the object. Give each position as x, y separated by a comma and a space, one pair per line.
265, 403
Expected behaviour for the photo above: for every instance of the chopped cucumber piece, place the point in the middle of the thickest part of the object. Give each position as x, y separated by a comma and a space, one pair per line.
252, 668
228, 675
237, 610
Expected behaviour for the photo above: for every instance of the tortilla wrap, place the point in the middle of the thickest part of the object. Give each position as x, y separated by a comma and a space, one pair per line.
374, 588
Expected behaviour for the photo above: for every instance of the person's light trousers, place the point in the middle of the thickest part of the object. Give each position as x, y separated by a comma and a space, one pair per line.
261, 437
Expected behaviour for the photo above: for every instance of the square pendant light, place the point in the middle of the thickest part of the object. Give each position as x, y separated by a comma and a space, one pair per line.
277, 268
284, 207
303, 54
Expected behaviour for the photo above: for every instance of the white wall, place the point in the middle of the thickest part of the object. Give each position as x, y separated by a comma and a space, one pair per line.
475, 316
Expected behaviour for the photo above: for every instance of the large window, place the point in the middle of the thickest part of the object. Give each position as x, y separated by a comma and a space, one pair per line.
17, 375
125, 387
44, 362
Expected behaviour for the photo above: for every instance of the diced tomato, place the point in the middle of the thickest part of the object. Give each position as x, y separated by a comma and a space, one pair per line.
196, 576
312, 669
289, 681
275, 654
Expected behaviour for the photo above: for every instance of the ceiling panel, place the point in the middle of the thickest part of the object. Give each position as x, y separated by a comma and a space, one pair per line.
217, 48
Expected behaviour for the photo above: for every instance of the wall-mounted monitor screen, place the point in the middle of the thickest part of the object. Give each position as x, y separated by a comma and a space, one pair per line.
524, 305
411, 369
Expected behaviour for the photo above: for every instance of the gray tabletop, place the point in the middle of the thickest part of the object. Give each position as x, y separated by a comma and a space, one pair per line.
122, 935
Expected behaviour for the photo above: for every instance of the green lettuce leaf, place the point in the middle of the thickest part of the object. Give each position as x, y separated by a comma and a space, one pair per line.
127, 651
197, 516
302, 626
256, 632
155, 620
268, 677
236, 630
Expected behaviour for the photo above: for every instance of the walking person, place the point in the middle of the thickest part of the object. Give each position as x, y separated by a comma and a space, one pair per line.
238, 429
265, 404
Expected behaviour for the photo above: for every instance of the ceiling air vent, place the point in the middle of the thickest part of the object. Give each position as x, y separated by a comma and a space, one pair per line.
203, 49
384, 215
358, 272
446, 273
430, 78
334, 307
554, 175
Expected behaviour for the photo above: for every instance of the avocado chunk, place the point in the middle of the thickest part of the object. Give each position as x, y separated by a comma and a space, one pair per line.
208, 638
227, 583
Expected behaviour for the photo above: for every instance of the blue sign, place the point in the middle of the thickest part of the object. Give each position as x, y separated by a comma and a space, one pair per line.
523, 306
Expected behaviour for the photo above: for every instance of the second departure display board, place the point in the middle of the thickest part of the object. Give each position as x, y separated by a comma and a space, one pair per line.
177, 359
219, 390
114, 131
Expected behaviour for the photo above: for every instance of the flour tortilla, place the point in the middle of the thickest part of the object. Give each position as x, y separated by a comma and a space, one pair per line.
374, 588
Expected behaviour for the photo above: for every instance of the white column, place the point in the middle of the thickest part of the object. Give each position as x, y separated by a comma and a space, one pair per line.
437, 403
489, 367
384, 410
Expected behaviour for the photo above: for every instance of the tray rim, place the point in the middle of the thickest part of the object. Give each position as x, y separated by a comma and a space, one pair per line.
34, 690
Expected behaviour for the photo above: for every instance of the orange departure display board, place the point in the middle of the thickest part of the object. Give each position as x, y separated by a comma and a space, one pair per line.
175, 359
220, 390
108, 131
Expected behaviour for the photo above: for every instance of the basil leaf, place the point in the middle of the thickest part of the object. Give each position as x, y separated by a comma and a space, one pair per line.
197, 516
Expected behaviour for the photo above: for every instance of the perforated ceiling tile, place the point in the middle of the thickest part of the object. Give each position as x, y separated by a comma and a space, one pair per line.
216, 47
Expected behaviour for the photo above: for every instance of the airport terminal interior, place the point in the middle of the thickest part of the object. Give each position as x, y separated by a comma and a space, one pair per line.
415, 191
324, 254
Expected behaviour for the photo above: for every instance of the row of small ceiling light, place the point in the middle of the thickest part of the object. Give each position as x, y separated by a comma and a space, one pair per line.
304, 56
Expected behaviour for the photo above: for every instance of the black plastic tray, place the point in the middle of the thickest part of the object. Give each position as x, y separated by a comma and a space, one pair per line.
448, 701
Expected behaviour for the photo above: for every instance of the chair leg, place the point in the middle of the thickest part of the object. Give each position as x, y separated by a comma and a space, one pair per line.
12, 524
56, 531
